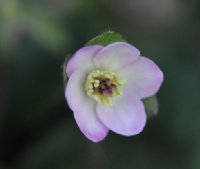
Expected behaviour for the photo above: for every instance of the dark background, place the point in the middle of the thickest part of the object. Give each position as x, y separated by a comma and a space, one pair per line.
37, 129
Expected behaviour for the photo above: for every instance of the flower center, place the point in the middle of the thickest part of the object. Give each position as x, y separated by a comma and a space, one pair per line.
103, 86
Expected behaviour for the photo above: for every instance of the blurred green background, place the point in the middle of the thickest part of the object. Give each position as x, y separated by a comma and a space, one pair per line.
37, 129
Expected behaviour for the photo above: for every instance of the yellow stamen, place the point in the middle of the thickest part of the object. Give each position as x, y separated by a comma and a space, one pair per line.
103, 86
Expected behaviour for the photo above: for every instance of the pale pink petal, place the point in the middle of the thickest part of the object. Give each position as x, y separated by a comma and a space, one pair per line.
89, 123
126, 116
143, 77
83, 59
115, 56
75, 91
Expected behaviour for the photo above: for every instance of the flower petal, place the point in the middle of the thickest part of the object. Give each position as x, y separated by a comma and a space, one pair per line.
74, 91
115, 56
126, 116
83, 59
143, 77
89, 123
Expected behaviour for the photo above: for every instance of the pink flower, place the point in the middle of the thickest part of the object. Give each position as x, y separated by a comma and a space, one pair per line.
105, 88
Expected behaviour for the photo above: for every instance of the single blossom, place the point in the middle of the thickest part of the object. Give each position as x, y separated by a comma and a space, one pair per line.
105, 88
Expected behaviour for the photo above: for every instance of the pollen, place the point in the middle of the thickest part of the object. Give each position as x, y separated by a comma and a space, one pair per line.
103, 86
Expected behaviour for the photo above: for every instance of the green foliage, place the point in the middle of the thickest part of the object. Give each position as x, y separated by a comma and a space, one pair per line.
151, 106
106, 38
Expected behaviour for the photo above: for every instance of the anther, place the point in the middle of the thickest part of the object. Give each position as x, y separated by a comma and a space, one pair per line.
103, 86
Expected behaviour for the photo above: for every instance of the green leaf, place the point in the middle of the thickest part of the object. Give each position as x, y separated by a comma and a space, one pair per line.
106, 38
151, 106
